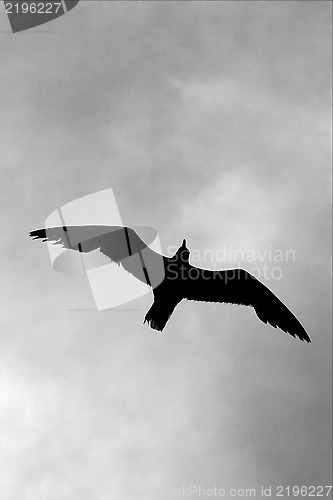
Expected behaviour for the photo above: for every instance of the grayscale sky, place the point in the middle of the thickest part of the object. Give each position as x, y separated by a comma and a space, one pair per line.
210, 121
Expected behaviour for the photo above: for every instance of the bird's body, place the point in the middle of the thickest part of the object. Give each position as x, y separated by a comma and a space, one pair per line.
179, 279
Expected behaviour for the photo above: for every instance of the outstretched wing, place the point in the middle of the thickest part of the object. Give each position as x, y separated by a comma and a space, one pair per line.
237, 286
115, 242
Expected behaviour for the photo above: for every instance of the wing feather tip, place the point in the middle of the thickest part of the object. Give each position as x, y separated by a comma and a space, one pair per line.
37, 234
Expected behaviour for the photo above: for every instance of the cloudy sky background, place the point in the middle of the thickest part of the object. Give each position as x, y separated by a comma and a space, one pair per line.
210, 121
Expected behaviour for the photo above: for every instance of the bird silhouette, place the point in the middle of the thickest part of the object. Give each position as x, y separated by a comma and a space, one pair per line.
173, 279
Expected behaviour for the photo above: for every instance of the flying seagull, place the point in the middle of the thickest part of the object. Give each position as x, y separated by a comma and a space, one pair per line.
173, 279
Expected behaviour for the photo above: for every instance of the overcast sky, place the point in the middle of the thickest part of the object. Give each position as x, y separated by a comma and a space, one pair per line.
210, 121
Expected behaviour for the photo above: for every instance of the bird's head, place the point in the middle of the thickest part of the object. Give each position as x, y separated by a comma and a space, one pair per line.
183, 252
